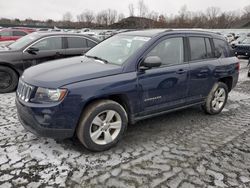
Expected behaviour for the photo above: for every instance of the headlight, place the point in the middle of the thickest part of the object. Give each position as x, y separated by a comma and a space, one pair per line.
44, 95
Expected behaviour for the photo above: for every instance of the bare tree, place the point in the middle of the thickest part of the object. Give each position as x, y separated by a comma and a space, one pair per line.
121, 16
142, 8
67, 17
86, 16
112, 16
153, 15
247, 12
102, 18
212, 14
131, 9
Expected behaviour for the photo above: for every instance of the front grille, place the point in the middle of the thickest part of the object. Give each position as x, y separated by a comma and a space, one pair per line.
24, 91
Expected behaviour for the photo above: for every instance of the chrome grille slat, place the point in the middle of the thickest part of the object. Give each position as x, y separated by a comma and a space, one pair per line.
24, 91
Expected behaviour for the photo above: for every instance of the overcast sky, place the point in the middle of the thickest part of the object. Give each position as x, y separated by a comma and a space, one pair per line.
54, 9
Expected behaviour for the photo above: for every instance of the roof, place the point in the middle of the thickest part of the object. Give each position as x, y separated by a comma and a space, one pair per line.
155, 32
48, 33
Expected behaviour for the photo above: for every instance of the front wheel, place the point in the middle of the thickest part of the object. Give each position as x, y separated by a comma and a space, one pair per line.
216, 99
102, 125
8, 79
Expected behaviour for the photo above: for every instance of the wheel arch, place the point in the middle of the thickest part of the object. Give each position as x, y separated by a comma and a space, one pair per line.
228, 81
9, 65
119, 98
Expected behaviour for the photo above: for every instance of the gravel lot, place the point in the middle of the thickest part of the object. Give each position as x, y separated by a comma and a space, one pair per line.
182, 149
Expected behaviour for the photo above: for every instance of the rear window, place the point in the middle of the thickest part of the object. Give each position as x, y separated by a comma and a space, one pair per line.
222, 47
90, 43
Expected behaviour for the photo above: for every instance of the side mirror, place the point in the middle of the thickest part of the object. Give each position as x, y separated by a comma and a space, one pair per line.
32, 50
151, 62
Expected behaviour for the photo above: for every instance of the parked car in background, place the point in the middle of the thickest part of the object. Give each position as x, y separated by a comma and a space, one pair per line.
126, 78
229, 37
13, 34
37, 48
239, 40
243, 48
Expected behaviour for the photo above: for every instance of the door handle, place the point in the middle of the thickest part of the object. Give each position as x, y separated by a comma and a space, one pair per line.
181, 71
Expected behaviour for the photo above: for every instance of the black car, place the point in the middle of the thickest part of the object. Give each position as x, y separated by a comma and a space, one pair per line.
243, 48
37, 48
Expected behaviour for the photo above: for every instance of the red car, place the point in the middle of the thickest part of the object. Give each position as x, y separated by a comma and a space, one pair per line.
13, 34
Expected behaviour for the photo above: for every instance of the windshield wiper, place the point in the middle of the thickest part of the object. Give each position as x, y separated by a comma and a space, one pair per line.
97, 58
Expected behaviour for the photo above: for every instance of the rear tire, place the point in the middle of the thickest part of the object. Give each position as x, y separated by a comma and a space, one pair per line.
216, 99
8, 79
102, 125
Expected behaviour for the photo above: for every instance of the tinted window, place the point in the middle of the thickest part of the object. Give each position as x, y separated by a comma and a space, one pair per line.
209, 48
91, 44
198, 48
19, 33
170, 51
52, 43
77, 42
221, 47
6, 33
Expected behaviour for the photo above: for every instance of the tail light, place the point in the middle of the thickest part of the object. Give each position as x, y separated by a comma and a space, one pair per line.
237, 67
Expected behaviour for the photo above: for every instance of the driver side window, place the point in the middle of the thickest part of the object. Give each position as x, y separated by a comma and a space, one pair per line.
53, 43
170, 51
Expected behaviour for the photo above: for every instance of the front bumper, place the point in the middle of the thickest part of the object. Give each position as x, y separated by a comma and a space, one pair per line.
31, 118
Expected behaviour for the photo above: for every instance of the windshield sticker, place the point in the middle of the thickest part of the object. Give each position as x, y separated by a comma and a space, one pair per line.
141, 38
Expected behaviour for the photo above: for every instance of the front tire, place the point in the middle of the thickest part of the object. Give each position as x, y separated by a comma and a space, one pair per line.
102, 125
8, 79
216, 99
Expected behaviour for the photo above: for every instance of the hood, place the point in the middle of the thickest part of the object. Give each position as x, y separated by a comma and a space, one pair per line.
243, 44
55, 74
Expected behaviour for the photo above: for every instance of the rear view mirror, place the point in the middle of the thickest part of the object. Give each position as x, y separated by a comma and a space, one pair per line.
32, 50
150, 62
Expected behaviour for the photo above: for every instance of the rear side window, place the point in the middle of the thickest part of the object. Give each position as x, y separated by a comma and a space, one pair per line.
19, 33
90, 43
209, 48
221, 47
197, 48
77, 42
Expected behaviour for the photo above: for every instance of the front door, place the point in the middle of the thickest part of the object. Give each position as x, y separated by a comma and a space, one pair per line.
165, 87
50, 48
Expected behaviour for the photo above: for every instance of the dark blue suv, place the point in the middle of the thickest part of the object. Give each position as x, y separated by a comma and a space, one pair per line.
126, 78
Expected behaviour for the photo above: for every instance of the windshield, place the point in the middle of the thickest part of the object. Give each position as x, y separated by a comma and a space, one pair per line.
240, 39
246, 41
117, 49
24, 41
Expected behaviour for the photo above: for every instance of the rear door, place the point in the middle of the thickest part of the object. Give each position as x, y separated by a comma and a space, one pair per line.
165, 87
49, 48
202, 67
